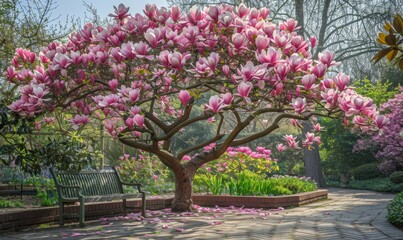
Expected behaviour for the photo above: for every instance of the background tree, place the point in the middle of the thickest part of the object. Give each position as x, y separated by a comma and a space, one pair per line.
23, 24
144, 76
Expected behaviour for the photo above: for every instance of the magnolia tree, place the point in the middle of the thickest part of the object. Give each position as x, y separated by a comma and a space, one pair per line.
389, 142
144, 75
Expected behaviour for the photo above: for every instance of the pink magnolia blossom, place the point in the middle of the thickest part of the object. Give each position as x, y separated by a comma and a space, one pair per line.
317, 127
270, 56
381, 120
281, 147
319, 70
244, 89
184, 97
139, 120
299, 105
186, 158
129, 122
308, 82
341, 81
79, 120
121, 12
227, 98
113, 84
290, 25
313, 41
262, 42
326, 58
215, 104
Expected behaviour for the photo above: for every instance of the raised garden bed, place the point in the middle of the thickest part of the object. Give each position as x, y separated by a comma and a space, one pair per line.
31, 217
260, 201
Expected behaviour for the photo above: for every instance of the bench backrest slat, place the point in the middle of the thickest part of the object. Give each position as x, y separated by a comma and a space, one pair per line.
93, 183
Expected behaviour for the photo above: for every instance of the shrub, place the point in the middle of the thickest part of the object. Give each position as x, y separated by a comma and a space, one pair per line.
395, 210
366, 171
376, 184
396, 177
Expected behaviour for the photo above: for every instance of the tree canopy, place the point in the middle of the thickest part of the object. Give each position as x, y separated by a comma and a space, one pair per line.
143, 75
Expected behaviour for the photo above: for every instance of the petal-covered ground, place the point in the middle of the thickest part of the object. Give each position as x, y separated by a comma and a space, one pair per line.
174, 222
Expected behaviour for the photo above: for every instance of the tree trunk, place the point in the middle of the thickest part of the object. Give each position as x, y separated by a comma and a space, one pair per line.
182, 201
313, 168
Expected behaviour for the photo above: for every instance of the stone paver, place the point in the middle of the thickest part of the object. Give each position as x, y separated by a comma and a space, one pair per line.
347, 214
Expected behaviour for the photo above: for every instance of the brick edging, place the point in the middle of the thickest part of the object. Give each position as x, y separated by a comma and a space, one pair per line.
31, 217
260, 201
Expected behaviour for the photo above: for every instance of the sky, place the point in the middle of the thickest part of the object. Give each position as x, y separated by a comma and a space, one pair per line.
77, 9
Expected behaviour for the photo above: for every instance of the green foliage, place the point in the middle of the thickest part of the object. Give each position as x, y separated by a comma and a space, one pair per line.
395, 210
337, 147
64, 154
45, 190
396, 177
366, 171
10, 204
380, 92
376, 184
251, 184
148, 171
234, 165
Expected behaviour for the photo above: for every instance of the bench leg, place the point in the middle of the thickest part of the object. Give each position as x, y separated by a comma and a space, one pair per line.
124, 208
82, 212
143, 205
61, 213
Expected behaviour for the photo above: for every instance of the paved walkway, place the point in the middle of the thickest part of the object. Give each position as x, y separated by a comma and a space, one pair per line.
347, 214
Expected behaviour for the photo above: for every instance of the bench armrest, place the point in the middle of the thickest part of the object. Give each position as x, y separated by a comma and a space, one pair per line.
138, 185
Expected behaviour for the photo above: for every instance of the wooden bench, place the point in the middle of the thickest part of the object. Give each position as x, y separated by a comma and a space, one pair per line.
92, 186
